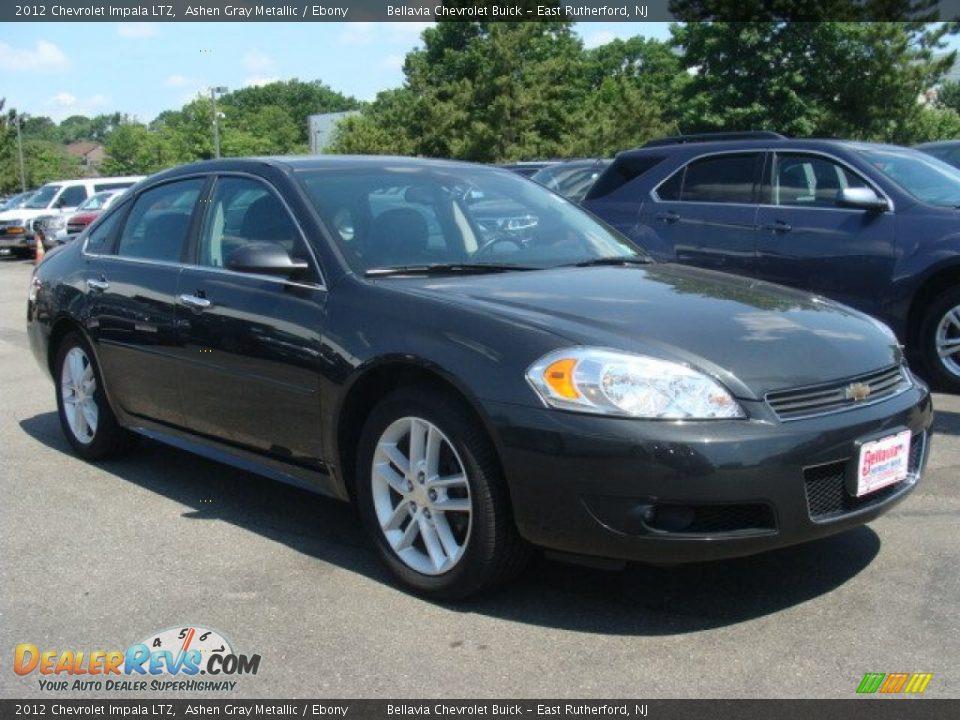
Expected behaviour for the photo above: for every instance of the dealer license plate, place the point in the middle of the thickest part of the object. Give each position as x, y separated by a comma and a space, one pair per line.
883, 462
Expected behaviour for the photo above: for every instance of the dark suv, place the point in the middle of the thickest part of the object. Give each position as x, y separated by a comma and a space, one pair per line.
874, 226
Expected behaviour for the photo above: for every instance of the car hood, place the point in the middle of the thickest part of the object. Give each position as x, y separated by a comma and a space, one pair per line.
24, 214
754, 336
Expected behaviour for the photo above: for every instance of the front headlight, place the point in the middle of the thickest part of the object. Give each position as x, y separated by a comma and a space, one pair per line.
58, 222
608, 382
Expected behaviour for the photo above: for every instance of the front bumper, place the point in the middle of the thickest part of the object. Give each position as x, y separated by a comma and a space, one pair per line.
17, 242
684, 491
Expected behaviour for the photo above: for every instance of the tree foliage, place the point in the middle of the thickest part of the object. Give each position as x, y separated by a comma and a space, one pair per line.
844, 79
500, 91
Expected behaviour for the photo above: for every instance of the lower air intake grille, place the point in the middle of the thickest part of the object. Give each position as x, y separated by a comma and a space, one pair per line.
826, 486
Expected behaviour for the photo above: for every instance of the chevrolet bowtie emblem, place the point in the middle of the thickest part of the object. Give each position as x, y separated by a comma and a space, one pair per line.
857, 391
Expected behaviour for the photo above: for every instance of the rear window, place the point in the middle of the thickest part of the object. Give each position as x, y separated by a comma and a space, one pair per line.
623, 171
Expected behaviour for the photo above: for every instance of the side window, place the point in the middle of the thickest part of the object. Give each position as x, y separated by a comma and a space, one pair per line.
242, 212
810, 181
722, 179
102, 231
72, 196
159, 221
670, 188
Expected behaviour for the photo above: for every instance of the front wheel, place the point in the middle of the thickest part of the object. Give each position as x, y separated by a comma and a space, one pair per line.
432, 496
85, 415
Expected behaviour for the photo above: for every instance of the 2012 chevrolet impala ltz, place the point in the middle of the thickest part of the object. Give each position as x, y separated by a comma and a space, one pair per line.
476, 362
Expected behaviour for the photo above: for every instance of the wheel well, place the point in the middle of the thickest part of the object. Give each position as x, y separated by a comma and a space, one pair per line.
367, 391
60, 329
928, 292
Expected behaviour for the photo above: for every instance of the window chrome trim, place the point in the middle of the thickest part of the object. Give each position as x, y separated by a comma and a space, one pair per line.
781, 151
321, 285
188, 266
133, 199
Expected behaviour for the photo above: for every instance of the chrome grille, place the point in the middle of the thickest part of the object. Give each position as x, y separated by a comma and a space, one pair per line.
832, 397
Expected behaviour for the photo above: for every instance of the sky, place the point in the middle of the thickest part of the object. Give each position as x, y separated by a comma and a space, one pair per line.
141, 69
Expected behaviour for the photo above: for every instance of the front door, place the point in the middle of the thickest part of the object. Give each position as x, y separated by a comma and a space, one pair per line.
807, 241
251, 342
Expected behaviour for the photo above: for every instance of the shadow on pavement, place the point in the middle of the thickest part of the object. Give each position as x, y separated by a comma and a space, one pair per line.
641, 600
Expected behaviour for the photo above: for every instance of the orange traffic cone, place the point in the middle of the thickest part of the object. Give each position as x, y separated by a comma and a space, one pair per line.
40, 251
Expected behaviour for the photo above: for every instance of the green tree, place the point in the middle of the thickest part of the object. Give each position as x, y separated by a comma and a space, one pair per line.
948, 95
45, 161
480, 91
294, 100
849, 79
134, 149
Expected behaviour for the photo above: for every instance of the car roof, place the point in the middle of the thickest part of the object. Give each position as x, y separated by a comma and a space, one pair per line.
710, 146
300, 163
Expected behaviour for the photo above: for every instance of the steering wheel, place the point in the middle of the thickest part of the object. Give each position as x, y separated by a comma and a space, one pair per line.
496, 240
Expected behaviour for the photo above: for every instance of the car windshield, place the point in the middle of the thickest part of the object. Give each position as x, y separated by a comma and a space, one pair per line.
96, 202
43, 197
571, 182
926, 178
432, 216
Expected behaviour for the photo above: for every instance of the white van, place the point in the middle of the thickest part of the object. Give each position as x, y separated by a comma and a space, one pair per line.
55, 198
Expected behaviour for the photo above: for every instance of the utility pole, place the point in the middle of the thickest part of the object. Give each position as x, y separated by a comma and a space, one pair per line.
214, 91
23, 174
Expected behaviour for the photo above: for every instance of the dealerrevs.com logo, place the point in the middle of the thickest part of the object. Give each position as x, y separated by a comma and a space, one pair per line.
170, 660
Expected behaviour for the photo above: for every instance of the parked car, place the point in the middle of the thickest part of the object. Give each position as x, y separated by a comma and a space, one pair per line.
946, 150
527, 168
873, 226
61, 228
571, 179
56, 198
344, 323
16, 201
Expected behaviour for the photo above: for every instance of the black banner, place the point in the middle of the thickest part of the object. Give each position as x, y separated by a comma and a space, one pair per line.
473, 10
854, 709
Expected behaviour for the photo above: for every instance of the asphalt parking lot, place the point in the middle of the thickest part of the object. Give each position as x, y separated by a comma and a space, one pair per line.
100, 557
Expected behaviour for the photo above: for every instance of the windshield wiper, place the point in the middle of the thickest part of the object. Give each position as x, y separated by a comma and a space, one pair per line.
441, 268
613, 260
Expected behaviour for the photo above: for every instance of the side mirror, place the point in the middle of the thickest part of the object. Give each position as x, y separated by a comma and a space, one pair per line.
265, 258
861, 198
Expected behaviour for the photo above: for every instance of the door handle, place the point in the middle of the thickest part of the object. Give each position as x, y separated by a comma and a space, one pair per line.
668, 217
98, 285
193, 301
779, 226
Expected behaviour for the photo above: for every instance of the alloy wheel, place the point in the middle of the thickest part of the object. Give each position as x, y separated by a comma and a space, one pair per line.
948, 341
421, 495
79, 385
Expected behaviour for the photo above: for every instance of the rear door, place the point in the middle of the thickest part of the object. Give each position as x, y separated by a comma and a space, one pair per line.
132, 289
707, 211
251, 343
807, 241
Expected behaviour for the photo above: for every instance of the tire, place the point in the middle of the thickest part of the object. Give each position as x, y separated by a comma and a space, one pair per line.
92, 430
490, 549
940, 328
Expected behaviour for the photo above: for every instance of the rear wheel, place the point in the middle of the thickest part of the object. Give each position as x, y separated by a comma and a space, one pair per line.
432, 497
85, 415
